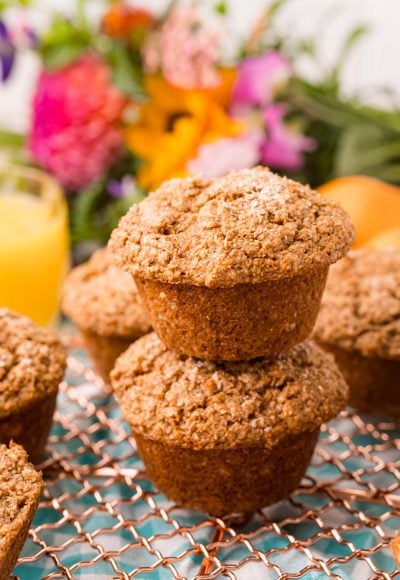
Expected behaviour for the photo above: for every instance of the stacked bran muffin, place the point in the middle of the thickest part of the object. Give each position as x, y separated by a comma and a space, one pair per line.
226, 402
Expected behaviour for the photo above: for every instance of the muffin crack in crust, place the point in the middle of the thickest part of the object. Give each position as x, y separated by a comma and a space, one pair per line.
246, 227
102, 298
201, 404
360, 308
31, 359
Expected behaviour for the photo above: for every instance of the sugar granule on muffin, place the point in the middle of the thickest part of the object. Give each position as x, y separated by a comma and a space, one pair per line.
242, 424
240, 261
20, 489
32, 365
359, 322
247, 227
103, 302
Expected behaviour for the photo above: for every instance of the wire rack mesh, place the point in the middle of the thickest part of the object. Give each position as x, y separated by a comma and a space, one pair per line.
100, 516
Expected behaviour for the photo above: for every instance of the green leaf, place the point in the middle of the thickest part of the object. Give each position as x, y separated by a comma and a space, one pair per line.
275, 6
367, 149
63, 42
11, 140
355, 35
10, 3
221, 8
83, 207
127, 73
58, 56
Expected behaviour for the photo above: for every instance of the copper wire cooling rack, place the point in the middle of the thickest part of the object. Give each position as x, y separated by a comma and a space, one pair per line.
101, 517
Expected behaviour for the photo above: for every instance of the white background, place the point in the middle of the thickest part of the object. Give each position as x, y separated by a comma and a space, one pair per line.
373, 64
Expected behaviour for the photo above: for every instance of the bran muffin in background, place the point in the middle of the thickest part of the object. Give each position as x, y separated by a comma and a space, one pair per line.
20, 489
359, 323
104, 304
32, 365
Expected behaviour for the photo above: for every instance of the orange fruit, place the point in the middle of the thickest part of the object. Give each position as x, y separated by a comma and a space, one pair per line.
373, 205
386, 239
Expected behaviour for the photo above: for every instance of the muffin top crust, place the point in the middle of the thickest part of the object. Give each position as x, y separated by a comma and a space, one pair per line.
32, 362
199, 404
246, 227
360, 307
103, 299
20, 489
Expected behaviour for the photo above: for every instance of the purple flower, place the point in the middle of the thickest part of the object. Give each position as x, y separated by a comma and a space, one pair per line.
283, 148
7, 52
123, 188
259, 79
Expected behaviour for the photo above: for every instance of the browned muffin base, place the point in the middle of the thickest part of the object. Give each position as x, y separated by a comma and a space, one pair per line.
224, 481
104, 351
24, 485
238, 323
30, 427
374, 382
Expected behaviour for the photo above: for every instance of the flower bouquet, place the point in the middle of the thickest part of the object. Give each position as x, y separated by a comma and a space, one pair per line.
132, 98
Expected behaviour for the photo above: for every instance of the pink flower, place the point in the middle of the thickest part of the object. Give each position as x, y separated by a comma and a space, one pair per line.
257, 84
283, 148
74, 132
228, 154
259, 78
186, 52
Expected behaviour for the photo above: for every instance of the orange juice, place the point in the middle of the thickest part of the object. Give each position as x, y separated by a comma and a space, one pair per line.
33, 244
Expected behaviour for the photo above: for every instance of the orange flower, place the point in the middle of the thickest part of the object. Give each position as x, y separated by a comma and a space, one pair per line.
174, 122
120, 20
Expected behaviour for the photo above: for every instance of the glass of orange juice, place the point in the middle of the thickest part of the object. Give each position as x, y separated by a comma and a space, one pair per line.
34, 245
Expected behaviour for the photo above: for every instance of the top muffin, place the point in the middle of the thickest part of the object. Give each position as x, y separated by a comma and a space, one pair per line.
103, 299
361, 305
246, 227
32, 362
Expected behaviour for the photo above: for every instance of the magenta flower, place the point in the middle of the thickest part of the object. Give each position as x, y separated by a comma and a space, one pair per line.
283, 148
259, 79
74, 132
228, 154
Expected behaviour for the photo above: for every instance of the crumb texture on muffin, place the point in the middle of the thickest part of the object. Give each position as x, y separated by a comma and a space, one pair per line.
32, 362
20, 485
198, 404
103, 299
361, 304
247, 227
20, 489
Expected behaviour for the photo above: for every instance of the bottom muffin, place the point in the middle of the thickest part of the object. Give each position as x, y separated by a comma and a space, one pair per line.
20, 489
226, 437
